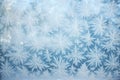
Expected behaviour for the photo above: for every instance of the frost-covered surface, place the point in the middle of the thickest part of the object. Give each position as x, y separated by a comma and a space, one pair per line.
59, 39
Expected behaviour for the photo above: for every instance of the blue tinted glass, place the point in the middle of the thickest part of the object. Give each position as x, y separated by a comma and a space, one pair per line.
59, 39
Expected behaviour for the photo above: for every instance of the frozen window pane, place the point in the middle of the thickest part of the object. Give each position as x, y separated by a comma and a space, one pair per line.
59, 40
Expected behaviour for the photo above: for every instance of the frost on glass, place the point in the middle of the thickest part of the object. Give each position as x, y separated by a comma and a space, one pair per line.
59, 39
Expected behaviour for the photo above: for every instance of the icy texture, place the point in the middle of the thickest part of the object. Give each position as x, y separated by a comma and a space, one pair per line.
59, 39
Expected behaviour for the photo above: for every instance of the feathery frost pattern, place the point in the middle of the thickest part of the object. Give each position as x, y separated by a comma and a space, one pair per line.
59, 39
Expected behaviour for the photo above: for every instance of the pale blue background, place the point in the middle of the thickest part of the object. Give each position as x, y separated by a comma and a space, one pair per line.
59, 39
